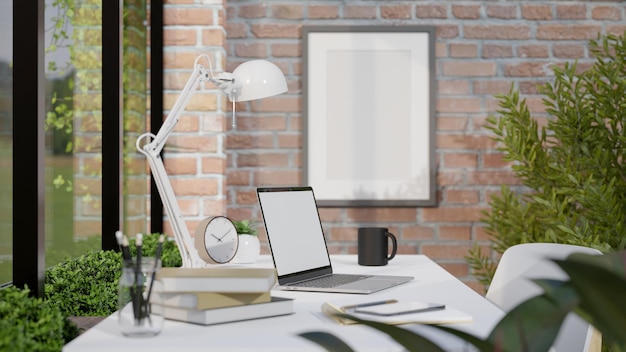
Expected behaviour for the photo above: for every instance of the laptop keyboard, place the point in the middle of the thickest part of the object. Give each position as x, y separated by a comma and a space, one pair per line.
332, 280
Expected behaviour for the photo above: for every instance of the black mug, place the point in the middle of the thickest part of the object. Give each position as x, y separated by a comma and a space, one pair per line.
373, 246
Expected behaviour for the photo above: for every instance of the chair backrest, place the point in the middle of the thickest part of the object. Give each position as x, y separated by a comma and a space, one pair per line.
511, 286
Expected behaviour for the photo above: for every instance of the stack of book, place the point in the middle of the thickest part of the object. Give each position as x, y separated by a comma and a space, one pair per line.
217, 295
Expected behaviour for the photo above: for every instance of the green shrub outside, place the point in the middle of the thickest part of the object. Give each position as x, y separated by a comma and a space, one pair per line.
32, 324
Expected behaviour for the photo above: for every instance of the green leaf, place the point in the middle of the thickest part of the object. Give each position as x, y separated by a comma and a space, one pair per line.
599, 281
329, 341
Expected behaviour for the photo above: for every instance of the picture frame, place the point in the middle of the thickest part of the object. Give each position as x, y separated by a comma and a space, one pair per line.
369, 115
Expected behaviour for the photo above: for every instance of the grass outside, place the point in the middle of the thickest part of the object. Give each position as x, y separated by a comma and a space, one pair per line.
60, 242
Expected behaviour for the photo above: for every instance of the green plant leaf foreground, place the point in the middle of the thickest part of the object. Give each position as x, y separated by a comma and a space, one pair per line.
601, 285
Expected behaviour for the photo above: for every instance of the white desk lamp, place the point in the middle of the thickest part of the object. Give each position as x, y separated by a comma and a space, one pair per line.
251, 80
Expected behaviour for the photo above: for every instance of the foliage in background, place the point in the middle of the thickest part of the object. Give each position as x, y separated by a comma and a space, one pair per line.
87, 285
170, 256
594, 291
572, 167
245, 227
32, 324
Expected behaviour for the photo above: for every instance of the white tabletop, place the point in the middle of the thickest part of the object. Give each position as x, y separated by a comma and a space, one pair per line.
432, 283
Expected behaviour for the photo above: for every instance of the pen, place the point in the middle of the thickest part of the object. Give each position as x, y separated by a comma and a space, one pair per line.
369, 304
125, 250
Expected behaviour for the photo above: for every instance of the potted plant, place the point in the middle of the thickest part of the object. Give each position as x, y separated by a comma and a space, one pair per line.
249, 246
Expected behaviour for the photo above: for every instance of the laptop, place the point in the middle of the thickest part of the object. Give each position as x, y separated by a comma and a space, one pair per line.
298, 246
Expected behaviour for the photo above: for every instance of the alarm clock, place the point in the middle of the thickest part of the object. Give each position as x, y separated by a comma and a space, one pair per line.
216, 240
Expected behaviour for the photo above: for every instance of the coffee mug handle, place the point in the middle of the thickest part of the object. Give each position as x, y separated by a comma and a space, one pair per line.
394, 244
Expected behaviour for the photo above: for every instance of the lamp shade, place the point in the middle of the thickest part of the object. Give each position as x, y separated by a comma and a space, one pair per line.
259, 79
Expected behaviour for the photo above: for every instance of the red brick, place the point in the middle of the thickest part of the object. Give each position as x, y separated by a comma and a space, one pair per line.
568, 32
380, 215
417, 233
502, 11
456, 233
448, 123
213, 165
462, 197
331, 214
178, 37
497, 32
187, 16
238, 177
570, 51
466, 11
467, 142
286, 50
323, 11
536, 12
276, 177
447, 31
236, 30
461, 68
181, 166
497, 50
532, 51
453, 87
276, 30
252, 50
288, 12
462, 160
463, 50
395, 11
460, 105
492, 178
494, 160
359, 11
195, 187
571, 12
450, 178
253, 10
431, 11
527, 69
262, 159
491, 87
609, 13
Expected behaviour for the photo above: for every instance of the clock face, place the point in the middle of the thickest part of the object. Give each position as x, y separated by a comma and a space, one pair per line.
217, 240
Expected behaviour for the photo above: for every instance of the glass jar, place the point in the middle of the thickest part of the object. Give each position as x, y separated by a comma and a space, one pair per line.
137, 292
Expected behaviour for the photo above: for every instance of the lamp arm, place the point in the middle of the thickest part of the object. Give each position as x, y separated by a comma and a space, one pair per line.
152, 149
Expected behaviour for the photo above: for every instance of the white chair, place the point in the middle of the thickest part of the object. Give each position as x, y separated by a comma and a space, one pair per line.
511, 286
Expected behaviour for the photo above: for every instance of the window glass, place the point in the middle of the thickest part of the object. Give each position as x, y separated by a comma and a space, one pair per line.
136, 182
73, 128
6, 142
74, 125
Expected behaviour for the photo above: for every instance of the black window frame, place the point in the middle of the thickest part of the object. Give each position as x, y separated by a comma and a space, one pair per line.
29, 141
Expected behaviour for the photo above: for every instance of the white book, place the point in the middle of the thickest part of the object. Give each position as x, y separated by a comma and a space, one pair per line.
277, 306
225, 280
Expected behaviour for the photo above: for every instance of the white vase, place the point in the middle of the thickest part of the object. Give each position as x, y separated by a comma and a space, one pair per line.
248, 250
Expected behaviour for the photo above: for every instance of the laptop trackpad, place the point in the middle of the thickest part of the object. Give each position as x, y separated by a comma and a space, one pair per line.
378, 283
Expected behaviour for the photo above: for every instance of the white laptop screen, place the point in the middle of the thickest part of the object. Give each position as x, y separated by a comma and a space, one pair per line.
294, 230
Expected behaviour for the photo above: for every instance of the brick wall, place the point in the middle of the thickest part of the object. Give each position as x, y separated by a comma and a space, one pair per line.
481, 48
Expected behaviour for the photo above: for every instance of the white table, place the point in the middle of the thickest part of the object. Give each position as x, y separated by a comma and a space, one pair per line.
432, 283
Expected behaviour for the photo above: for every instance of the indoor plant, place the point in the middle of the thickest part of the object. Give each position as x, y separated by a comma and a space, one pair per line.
570, 165
249, 246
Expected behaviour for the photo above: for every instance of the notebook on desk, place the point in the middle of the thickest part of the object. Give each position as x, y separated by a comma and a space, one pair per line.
298, 246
